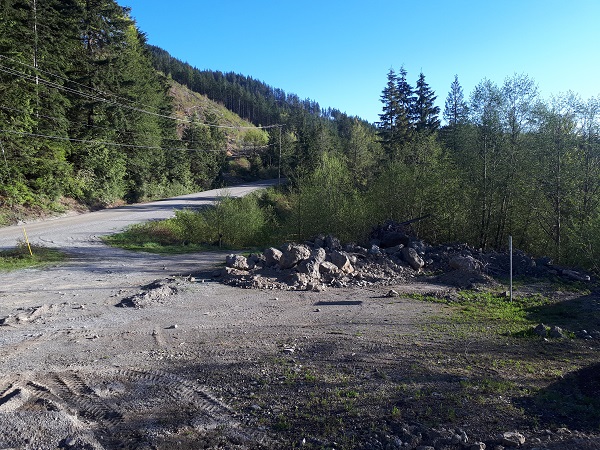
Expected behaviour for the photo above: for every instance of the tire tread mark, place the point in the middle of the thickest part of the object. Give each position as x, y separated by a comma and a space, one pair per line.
188, 391
73, 390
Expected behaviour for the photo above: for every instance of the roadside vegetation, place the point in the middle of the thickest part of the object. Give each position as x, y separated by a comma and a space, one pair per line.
233, 223
21, 258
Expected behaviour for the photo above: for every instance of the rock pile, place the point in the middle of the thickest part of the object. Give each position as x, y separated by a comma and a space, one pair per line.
392, 256
317, 264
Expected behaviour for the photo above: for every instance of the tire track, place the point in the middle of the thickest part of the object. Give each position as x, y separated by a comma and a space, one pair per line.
11, 350
120, 406
74, 391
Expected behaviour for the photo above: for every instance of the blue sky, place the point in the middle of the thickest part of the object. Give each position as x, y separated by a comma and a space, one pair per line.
339, 52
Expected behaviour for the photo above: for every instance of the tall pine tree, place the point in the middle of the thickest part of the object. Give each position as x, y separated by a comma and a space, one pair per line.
424, 112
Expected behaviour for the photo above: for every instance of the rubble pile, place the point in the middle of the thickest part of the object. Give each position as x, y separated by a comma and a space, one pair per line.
394, 255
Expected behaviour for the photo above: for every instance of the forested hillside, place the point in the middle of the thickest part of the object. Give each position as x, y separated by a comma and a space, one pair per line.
506, 162
83, 114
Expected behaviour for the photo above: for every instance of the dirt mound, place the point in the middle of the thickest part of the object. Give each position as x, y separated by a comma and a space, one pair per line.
155, 292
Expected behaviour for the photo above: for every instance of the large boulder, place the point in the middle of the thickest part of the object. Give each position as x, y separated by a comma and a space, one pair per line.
292, 254
319, 255
332, 243
466, 263
342, 261
237, 262
411, 256
328, 268
272, 256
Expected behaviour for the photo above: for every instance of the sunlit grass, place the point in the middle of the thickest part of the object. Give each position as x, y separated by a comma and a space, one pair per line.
21, 258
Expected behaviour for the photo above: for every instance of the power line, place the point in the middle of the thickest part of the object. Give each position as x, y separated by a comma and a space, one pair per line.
49, 83
120, 131
85, 141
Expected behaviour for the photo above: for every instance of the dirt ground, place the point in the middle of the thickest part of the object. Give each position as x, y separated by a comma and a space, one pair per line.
125, 350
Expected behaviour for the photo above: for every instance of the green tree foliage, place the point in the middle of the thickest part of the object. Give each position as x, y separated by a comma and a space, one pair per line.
308, 130
83, 111
424, 111
206, 145
327, 201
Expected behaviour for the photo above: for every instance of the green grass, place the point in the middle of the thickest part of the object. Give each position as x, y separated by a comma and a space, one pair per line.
20, 258
249, 222
154, 237
485, 311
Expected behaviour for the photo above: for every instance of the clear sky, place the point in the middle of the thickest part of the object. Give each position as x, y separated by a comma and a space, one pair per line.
338, 52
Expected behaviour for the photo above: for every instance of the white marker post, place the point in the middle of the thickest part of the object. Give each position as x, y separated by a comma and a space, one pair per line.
511, 266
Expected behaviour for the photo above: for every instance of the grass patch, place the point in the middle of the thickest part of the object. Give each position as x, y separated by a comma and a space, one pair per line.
233, 223
162, 237
485, 311
20, 258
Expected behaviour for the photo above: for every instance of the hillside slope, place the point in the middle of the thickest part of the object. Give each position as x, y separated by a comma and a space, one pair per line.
190, 105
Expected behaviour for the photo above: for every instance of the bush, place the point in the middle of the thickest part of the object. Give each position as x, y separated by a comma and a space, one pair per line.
239, 222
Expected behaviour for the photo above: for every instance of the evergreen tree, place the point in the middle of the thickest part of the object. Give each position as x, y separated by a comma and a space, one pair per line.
456, 110
395, 127
424, 112
391, 110
406, 100
456, 115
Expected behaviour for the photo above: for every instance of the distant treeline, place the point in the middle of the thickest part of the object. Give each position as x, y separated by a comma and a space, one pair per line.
308, 130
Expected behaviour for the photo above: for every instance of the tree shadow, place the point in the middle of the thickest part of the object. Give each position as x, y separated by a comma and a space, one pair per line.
573, 314
572, 402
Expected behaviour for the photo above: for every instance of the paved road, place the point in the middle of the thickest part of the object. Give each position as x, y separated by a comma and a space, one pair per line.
83, 231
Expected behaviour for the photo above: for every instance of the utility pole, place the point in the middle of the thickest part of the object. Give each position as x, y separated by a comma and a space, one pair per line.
35, 59
279, 168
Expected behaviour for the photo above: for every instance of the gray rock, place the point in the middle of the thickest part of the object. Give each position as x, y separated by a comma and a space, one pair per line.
393, 250
332, 243
512, 439
556, 332
310, 267
297, 280
256, 259
272, 256
575, 275
477, 446
392, 293
466, 263
292, 254
419, 246
540, 330
374, 250
411, 257
319, 255
328, 268
238, 262
342, 261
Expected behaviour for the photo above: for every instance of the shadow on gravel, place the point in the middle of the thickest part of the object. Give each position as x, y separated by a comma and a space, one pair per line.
579, 313
340, 303
572, 402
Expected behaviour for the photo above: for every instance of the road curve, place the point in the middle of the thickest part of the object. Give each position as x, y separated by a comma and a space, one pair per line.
75, 233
